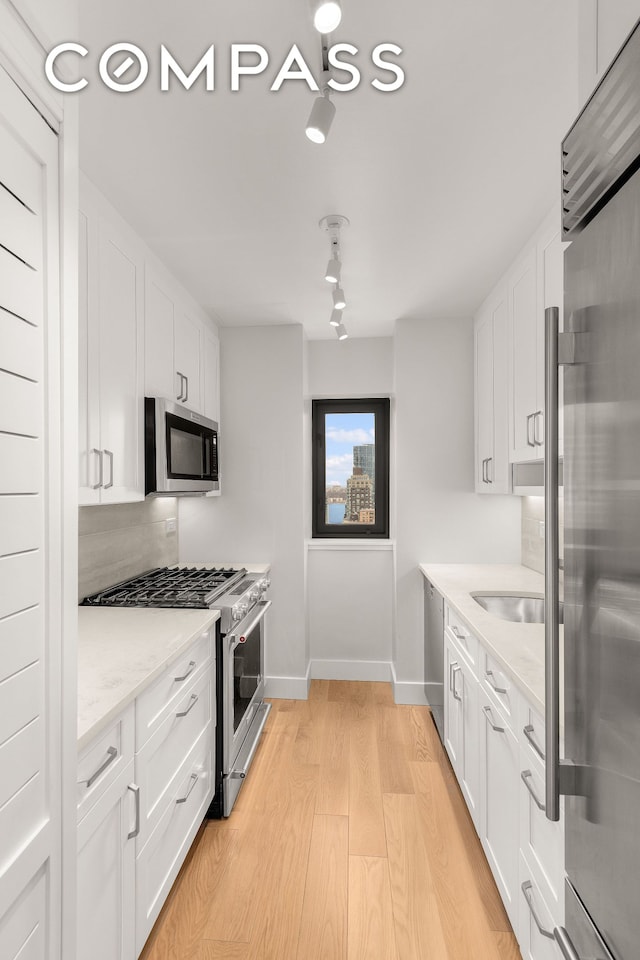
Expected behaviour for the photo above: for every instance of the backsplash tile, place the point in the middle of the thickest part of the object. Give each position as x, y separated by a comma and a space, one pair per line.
117, 541
532, 541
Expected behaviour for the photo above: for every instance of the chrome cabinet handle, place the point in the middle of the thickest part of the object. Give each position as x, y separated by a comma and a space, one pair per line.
99, 454
528, 732
109, 455
454, 663
182, 377
526, 777
484, 471
191, 668
192, 702
135, 790
194, 779
538, 443
492, 683
526, 888
489, 472
186, 396
112, 753
552, 579
530, 442
456, 696
492, 724
457, 634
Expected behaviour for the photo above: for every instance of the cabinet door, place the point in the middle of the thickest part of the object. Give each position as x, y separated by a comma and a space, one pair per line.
535, 923
523, 347
500, 779
159, 311
466, 686
106, 876
121, 339
23, 930
211, 376
187, 345
484, 397
452, 707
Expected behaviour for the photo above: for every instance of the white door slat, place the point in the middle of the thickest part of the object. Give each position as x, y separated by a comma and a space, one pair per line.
22, 701
19, 171
21, 524
21, 348
20, 229
21, 408
22, 582
21, 289
21, 641
19, 819
22, 933
22, 466
21, 757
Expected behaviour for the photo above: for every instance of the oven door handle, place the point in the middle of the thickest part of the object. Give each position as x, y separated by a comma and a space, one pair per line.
247, 625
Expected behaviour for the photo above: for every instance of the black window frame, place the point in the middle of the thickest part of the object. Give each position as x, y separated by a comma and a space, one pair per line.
381, 408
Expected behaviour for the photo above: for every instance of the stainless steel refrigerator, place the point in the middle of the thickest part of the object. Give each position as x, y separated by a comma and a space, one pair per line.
599, 350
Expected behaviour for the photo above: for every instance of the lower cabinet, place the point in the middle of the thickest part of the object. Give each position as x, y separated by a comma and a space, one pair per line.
106, 874
23, 929
141, 799
499, 833
495, 741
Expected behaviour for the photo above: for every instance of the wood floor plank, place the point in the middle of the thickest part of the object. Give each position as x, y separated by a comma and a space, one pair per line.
355, 692
464, 922
371, 933
395, 770
366, 820
323, 926
333, 781
507, 946
416, 915
424, 741
220, 950
381, 693
319, 690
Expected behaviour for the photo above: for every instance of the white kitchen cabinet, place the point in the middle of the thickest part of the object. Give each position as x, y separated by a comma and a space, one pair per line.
461, 725
106, 873
535, 921
499, 820
550, 276
23, 930
603, 28
491, 395
526, 406
111, 356
181, 352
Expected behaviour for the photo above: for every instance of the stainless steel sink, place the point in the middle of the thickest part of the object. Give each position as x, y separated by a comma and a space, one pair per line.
518, 609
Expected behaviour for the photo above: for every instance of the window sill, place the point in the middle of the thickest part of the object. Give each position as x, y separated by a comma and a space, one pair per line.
364, 543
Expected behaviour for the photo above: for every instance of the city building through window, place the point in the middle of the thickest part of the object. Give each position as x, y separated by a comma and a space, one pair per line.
351, 468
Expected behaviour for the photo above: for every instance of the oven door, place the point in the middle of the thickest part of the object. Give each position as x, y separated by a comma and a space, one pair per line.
243, 692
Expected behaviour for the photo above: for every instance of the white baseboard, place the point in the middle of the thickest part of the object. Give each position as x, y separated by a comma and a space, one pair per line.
405, 691
287, 688
350, 670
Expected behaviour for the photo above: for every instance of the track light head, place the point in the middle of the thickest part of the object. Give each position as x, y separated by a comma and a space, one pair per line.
320, 119
327, 15
339, 302
336, 318
341, 331
332, 273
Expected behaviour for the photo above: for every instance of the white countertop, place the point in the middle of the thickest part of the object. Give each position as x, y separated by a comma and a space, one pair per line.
519, 647
121, 651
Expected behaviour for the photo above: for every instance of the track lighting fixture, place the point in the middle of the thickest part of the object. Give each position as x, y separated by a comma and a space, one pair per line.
327, 15
341, 331
322, 113
339, 302
332, 273
336, 318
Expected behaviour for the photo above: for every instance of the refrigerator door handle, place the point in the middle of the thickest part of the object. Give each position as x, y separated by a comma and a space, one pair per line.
552, 583
569, 952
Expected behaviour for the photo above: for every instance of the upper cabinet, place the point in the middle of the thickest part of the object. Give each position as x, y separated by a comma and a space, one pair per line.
604, 26
490, 335
111, 360
140, 335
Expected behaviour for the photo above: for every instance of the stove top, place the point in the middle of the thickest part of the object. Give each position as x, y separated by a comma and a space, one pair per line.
188, 587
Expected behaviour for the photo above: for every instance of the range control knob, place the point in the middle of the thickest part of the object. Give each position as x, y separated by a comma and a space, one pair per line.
255, 594
236, 613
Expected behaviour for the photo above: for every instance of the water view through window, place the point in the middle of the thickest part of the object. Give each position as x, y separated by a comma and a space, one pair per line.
350, 469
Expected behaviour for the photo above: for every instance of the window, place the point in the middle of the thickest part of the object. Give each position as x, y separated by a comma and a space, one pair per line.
351, 468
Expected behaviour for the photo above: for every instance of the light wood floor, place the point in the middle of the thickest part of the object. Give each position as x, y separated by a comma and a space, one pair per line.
350, 840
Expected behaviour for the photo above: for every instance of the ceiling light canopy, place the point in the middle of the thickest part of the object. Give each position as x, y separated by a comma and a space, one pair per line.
327, 15
339, 301
341, 331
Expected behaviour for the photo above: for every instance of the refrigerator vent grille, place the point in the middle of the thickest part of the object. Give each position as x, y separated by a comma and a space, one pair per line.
602, 149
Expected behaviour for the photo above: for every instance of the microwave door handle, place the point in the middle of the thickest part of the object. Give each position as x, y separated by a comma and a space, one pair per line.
207, 456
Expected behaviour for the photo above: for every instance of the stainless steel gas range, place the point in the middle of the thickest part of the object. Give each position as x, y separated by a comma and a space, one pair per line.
240, 706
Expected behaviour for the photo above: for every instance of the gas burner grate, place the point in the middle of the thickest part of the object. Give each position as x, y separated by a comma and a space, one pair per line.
188, 587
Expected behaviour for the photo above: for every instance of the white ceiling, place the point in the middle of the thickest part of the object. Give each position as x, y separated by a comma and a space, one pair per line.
442, 180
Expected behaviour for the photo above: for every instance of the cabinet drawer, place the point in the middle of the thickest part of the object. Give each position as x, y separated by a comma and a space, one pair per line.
103, 760
535, 922
463, 638
153, 705
532, 733
160, 760
500, 688
541, 840
158, 864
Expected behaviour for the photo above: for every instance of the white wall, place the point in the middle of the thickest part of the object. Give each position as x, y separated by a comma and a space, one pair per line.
260, 515
53, 21
439, 517
350, 586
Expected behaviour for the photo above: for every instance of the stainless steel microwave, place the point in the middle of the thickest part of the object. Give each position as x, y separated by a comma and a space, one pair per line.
181, 450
